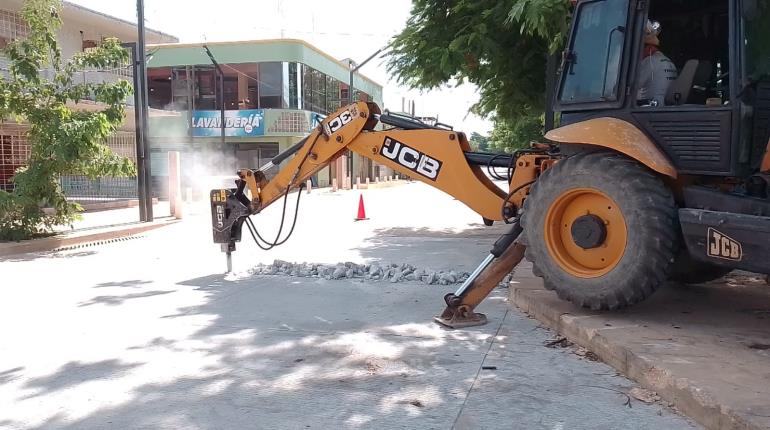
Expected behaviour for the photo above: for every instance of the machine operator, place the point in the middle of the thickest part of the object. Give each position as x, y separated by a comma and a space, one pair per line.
656, 71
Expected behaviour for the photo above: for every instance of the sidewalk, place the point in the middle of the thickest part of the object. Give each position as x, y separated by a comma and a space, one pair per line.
94, 227
704, 348
112, 217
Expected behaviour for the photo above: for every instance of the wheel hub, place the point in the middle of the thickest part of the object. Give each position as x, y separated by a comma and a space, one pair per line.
589, 232
585, 232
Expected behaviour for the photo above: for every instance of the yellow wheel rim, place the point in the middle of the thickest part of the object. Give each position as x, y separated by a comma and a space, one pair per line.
579, 262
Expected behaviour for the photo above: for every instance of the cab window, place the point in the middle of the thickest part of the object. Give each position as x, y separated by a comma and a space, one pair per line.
757, 46
591, 70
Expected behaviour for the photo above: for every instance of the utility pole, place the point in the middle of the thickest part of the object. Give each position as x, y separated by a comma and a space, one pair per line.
353, 69
138, 131
145, 164
221, 75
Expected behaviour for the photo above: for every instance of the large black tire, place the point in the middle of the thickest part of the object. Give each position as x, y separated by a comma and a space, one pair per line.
687, 270
642, 262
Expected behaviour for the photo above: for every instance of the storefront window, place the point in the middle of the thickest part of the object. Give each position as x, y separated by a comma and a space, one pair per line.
321, 93
293, 87
205, 88
180, 88
333, 101
307, 78
241, 81
270, 85
231, 92
159, 87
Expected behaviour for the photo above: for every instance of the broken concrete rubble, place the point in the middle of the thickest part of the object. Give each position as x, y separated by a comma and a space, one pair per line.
375, 271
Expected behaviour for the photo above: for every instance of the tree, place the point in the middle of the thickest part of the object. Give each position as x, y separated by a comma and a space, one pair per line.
501, 46
41, 91
479, 142
508, 136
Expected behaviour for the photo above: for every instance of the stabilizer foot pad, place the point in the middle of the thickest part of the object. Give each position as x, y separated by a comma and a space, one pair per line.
461, 321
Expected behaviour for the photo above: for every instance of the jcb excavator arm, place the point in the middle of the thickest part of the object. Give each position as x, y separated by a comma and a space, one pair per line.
438, 156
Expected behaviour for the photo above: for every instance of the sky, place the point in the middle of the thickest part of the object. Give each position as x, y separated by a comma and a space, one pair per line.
342, 28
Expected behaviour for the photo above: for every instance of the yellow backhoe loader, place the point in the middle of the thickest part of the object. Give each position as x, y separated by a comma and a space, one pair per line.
626, 194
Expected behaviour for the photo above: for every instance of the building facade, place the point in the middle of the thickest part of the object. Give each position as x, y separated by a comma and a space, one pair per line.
274, 93
82, 29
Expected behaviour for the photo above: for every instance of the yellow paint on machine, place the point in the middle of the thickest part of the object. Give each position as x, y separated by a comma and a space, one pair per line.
766, 159
618, 135
351, 128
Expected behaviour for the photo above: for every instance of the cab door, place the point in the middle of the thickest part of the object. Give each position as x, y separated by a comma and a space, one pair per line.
593, 72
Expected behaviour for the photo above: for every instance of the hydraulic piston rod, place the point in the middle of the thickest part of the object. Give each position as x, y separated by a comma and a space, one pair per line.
505, 255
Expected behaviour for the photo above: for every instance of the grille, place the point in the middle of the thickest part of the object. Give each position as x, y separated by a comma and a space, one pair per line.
14, 153
12, 26
291, 122
690, 141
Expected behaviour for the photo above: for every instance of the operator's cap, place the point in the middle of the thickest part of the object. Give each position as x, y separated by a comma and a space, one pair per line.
652, 32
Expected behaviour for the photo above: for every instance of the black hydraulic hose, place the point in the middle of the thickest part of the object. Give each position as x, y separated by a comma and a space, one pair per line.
250, 224
490, 169
267, 245
514, 191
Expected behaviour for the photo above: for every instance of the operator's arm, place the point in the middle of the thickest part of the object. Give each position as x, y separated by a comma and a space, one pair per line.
644, 80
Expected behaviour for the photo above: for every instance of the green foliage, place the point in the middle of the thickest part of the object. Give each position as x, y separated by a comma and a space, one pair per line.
510, 135
62, 140
501, 46
479, 142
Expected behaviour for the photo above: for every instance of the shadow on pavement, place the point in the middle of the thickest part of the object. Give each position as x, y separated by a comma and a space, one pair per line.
295, 359
431, 249
117, 300
46, 255
76, 373
133, 283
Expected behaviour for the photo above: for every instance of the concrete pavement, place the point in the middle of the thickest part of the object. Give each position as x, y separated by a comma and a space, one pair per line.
149, 333
705, 348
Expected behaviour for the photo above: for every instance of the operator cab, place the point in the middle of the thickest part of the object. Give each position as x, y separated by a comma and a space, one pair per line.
714, 118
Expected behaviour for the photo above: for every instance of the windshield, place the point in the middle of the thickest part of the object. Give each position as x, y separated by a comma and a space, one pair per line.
593, 74
757, 46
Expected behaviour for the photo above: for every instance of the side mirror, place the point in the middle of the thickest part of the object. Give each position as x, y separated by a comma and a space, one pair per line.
750, 9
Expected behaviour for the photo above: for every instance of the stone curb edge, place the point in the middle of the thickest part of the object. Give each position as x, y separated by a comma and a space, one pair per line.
81, 238
691, 400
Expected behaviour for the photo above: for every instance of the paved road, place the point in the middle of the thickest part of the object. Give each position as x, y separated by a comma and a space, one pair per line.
149, 333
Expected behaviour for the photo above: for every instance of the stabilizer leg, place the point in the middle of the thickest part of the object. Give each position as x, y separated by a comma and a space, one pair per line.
504, 257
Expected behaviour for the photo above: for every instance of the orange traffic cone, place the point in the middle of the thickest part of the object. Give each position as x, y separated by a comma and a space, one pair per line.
361, 211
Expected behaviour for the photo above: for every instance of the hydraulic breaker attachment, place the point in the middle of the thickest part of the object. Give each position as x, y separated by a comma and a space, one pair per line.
505, 255
229, 209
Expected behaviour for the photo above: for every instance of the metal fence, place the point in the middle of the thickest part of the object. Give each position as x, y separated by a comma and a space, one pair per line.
105, 189
14, 154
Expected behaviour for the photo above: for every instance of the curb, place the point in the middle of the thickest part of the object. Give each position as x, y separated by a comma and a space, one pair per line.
78, 238
588, 330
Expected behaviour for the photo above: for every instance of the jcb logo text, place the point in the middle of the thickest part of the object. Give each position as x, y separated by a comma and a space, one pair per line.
411, 158
722, 246
338, 122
